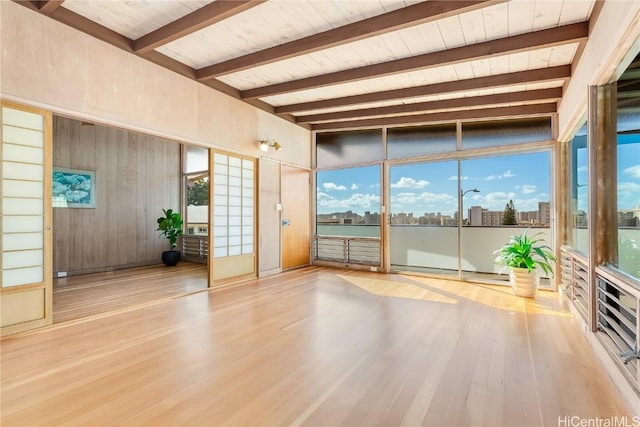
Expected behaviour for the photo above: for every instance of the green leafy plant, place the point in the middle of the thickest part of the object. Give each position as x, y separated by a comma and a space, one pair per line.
170, 226
526, 252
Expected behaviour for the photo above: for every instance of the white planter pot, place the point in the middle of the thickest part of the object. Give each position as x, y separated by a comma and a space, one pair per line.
523, 283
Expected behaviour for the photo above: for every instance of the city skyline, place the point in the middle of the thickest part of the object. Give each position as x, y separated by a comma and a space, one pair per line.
433, 187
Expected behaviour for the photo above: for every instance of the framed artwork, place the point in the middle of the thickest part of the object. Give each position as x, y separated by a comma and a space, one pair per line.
73, 188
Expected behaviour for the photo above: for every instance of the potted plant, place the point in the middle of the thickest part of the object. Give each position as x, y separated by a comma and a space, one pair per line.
170, 227
522, 255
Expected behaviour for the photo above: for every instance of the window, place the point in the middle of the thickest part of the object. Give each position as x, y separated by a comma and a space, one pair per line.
505, 132
579, 189
628, 183
420, 140
348, 202
514, 195
345, 148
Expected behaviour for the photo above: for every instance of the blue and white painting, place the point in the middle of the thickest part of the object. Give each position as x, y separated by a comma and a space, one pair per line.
73, 188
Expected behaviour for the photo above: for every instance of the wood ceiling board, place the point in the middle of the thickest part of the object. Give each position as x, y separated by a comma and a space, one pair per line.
133, 19
515, 98
545, 38
207, 15
461, 71
525, 110
389, 22
555, 73
255, 31
576, 11
441, 97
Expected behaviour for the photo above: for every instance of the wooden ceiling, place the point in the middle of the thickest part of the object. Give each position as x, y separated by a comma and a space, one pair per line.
336, 64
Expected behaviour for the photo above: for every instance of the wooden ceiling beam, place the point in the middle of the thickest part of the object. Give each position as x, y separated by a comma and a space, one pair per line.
198, 19
100, 32
565, 34
396, 20
521, 77
484, 113
49, 6
421, 107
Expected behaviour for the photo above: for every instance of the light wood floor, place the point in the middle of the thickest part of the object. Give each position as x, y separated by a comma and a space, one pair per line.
314, 346
77, 297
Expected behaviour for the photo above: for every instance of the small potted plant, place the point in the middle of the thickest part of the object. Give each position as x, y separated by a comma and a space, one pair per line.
522, 255
170, 227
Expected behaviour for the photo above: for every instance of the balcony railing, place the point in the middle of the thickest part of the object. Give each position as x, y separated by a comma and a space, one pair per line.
575, 280
617, 318
347, 250
195, 247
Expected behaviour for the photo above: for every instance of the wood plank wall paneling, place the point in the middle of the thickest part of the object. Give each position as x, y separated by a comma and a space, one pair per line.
136, 177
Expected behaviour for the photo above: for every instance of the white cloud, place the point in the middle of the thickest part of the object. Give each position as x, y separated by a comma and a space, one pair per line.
330, 186
628, 195
375, 186
507, 174
633, 171
356, 202
418, 203
354, 186
527, 189
455, 178
582, 169
405, 182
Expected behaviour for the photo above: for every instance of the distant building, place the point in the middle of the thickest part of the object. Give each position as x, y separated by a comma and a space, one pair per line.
528, 217
629, 218
544, 213
475, 215
492, 218
197, 220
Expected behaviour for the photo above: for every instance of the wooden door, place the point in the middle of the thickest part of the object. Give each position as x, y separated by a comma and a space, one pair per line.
295, 217
25, 219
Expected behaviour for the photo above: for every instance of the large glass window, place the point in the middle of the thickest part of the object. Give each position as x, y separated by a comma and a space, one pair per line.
335, 149
505, 132
579, 189
424, 217
406, 142
348, 202
513, 195
628, 179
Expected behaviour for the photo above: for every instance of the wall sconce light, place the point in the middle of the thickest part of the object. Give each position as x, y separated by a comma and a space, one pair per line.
264, 145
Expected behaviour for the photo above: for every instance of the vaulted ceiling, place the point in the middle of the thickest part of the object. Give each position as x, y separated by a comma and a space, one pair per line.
336, 64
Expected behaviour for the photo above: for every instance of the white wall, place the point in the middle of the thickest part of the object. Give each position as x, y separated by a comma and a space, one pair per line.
616, 30
50, 65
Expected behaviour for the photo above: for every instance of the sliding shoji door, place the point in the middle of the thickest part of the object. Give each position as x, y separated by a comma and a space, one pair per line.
25, 219
232, 212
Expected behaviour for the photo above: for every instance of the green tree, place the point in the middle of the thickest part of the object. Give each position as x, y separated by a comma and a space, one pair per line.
198, 193
509, 217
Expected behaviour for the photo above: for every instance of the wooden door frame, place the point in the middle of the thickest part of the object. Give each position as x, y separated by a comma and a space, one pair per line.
47, 282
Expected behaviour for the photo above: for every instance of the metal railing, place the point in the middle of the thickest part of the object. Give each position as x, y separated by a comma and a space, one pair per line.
195, 247
617, 318
575, 281
347, 250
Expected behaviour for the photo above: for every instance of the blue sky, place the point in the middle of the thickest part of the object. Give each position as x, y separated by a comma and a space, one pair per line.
628, 173
432, 187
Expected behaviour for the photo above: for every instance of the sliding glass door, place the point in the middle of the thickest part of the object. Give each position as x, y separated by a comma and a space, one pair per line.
423, 217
